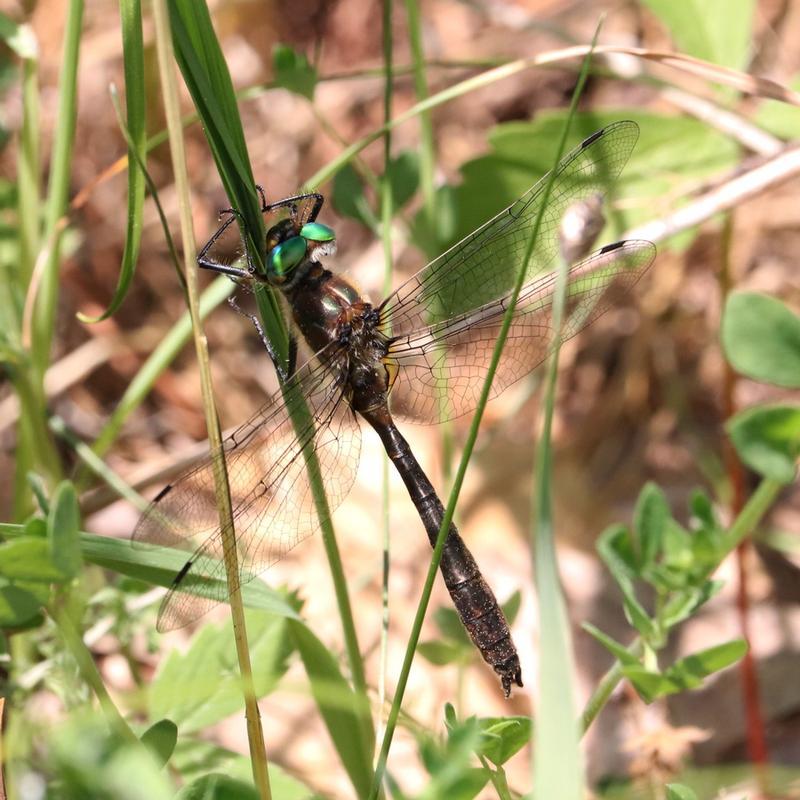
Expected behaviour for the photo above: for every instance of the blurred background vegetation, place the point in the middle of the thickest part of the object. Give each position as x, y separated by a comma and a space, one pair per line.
644, 395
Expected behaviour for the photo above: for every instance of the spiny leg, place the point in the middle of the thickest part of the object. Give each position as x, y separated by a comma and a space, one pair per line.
206, 262
291, 203
283, 373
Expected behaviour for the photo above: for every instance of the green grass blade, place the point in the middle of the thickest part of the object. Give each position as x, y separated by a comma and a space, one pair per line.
208, 80
29, 171
151, 187
459, 477
135, 100
427, 164
157, 566
206, 75
387, 212
339, 706
222, 494
557, 762
16, 277
58, 188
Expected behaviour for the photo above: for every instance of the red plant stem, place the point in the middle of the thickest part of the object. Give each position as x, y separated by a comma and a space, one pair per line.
756, 739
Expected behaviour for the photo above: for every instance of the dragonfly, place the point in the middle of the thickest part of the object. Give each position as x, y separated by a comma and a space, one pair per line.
421, 355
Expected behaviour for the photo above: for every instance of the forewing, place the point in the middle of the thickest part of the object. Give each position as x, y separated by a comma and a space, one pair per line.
273, 502
441, 367
484, 266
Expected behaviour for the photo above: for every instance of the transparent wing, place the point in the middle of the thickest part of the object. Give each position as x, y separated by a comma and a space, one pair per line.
441, 367
273, 503
484, 266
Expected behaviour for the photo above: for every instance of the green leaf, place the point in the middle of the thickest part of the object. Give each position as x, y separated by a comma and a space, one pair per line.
672, 152
403, 174
691, 670
677, 791
161, 739
449, 624
349, 199
503, 737
293, 72
17, 606
702, 509
615, 548
63, 530
442, 653
200, 687
687, 602
619, 651
511, 607
159, 565
767, 439
687, 673
636, 614
678, 548
649, 685
35, 527
216, 786
195, 758
761, 338
345, 713
449, 766
29, 559
39, 489
86, 760
136, 103
650, 519
719, 31
780, 118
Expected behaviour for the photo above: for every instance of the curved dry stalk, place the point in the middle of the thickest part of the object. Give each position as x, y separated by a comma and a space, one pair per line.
739, 187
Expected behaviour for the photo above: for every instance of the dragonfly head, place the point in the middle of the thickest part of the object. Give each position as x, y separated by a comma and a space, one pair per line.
287, 249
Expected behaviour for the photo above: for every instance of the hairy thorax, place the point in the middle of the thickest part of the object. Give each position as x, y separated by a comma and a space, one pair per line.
328, 309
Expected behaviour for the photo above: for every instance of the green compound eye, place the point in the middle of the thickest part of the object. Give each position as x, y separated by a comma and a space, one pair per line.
286, 256
317, 232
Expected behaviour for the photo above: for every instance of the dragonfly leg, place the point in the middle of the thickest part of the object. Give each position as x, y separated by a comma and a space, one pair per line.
206, 262
292, 201
263, 196
283, 373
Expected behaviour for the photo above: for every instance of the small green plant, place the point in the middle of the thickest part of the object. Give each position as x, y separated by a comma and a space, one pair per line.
675, 563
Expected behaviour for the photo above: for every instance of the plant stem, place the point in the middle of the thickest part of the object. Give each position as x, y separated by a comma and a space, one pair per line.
57, 190
88, 669
255, 733
458, 481
387, 212
605, 688
756, 737
29, 170
556, 754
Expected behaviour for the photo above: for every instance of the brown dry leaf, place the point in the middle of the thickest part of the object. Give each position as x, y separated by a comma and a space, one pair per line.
663, 749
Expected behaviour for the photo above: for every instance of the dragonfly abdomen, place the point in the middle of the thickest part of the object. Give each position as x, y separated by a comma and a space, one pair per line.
474, 601
488, 629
